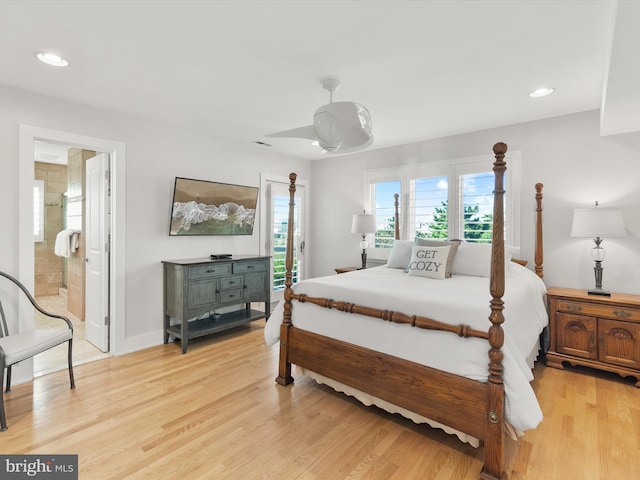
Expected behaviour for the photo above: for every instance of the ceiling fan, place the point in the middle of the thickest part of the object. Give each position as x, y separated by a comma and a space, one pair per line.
338, 127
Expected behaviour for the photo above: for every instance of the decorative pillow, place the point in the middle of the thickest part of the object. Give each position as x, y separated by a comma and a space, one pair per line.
472, 259
429, 261
510, 254
426, 242
400, 254
511, 251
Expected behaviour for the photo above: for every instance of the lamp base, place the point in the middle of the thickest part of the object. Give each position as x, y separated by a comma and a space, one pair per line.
599, 291
363, 255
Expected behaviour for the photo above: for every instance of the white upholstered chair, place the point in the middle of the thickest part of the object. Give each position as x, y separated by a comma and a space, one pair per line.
17, 347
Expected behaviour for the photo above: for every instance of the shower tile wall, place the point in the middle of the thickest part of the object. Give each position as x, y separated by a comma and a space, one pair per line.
48, 266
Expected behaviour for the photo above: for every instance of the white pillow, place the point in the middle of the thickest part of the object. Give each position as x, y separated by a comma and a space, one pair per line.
472, 259
429, 262
512, 251
400, 254
427, 242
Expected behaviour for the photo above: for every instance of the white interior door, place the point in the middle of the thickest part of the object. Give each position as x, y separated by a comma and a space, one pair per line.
97, 251
277, 199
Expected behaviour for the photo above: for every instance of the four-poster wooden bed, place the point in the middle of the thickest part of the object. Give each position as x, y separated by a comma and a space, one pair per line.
474, 407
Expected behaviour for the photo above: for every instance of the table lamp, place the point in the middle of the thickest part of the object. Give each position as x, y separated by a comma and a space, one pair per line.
596, 223
364, 224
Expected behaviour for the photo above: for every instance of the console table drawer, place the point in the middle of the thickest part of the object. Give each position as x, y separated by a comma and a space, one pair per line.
231, 295
227, 283
208, 271
595, 310
246, 267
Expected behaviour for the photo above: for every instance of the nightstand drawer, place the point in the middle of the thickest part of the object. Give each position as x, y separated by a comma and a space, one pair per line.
595, 310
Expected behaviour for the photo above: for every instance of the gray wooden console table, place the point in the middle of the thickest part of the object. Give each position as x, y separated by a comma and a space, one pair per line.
195, 288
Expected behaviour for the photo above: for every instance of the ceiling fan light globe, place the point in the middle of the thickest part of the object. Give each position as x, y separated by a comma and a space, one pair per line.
365, 117
327, 129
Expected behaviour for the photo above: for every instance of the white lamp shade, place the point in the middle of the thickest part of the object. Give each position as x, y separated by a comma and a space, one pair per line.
363, 223
597, 222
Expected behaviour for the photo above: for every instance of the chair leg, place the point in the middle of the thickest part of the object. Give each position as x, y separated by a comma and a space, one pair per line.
8, 389
71, 379
3, 418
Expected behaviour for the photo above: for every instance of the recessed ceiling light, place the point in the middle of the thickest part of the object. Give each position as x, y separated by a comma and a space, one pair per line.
542, 92
52, 59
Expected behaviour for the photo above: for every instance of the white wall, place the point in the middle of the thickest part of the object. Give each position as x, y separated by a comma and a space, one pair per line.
576, 165
155, 155
567, 154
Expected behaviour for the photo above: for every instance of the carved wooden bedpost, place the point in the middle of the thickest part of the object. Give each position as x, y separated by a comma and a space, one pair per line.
494, 447
284, 370
538, 246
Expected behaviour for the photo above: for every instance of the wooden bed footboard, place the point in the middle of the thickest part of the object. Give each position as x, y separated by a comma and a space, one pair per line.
470, 406
423, 390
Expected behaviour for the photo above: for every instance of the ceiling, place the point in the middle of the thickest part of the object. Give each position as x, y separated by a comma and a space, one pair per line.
239, 70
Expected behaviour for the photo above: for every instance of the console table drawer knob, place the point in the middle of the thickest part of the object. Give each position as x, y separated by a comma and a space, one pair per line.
622, 313
574, 308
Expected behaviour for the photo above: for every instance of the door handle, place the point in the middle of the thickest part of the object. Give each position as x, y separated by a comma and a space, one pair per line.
302, 245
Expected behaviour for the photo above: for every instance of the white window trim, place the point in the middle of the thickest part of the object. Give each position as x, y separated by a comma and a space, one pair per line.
452, 168
38, 210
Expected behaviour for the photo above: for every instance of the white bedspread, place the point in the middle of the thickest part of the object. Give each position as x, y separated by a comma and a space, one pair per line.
460, 299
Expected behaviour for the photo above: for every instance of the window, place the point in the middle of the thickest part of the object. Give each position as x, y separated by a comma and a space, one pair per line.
384, 210
38, 210
429, 207
442, 200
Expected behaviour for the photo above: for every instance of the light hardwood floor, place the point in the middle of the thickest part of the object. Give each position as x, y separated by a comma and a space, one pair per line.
55, 358
216, 413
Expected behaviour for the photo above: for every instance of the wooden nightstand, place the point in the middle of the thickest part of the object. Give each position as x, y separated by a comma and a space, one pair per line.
595, 331
346, 269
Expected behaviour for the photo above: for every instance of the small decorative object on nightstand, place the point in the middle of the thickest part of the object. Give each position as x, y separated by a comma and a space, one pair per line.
595, 331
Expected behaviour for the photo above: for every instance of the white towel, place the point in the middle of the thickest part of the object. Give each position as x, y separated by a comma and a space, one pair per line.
65, 243
75, 241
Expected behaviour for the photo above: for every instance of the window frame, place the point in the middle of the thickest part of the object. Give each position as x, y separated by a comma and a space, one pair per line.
38, 211
453, 169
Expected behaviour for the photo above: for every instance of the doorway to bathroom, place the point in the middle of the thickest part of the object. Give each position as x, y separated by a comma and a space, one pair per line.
70, 277
106, 234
